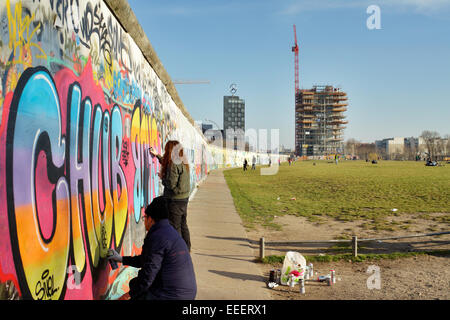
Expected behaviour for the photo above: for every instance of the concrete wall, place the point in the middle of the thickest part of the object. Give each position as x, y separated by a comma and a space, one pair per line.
82, 97
80, 105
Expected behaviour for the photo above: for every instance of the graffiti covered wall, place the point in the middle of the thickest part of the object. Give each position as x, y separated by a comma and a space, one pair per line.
79, 106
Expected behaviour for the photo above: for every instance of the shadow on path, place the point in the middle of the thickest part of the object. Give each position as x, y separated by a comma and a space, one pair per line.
231, 257
234, 239
241, 276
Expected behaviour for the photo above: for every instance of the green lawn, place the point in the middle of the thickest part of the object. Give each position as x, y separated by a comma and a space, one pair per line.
359, 257
351, 190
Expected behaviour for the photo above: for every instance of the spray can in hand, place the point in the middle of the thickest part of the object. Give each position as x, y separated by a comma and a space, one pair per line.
112, 262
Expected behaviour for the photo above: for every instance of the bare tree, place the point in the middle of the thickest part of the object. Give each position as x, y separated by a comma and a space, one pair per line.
411, 150
364, 150
350, 146
447, 145
431, 139
360, 149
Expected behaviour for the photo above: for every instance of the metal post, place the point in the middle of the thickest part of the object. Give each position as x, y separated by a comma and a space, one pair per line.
355, 245
261, 248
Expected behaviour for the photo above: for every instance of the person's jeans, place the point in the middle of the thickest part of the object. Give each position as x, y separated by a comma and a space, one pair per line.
178, 218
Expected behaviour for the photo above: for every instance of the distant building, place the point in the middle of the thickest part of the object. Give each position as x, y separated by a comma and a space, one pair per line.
391, 146
286, 151
233, 113
234, 118
417, 144
401, 148
319, 121
206, 127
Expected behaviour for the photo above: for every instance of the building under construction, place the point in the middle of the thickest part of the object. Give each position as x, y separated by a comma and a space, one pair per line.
319, 121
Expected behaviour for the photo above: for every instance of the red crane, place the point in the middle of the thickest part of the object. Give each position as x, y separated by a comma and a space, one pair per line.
295, 50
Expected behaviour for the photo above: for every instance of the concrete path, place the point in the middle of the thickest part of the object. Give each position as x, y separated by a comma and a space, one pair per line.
222, 256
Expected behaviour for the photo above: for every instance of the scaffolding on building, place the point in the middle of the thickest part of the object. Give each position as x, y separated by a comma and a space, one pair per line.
320, 121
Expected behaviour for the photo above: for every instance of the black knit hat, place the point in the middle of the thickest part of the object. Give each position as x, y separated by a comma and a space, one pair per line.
158, 209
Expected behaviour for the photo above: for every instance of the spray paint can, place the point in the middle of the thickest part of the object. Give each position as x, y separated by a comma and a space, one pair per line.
278, 276
333, 276
329, 281
307, 273
272, 276
311, 270
291, 281
301, 283
113, 264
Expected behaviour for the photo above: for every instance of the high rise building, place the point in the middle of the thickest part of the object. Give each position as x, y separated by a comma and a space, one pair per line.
233, 113
319, 121
234, 118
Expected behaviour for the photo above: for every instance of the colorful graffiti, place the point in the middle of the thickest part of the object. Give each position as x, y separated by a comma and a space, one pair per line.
79, 108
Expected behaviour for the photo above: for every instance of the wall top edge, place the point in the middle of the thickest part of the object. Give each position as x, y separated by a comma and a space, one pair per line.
126, 17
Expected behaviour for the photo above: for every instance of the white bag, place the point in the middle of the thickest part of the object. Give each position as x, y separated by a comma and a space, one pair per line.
292, 261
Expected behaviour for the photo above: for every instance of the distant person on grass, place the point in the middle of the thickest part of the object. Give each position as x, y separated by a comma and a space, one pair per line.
245, 164
176, 180
166, 269
254, 163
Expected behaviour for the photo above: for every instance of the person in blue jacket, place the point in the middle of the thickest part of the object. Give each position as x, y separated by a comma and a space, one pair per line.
166, 269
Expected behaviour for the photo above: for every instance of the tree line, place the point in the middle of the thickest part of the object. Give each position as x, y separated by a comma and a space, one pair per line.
430, 146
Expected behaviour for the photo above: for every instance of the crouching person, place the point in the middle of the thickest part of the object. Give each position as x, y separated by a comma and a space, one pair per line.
166, 269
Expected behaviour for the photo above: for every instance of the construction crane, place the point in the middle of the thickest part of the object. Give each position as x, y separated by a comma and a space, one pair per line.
191, 81
295, 50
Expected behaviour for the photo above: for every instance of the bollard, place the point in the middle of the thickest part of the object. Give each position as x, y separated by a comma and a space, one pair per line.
355, 245
261, 248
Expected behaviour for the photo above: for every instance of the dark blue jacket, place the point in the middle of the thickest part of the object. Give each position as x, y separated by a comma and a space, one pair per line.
166, 271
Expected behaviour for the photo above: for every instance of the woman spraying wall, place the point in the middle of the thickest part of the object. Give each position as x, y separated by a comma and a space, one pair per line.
175, 178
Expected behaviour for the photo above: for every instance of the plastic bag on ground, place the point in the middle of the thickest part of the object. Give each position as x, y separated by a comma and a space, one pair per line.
292, 261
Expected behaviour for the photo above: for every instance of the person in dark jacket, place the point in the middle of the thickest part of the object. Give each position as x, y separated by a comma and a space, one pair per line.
166, 269
176, 180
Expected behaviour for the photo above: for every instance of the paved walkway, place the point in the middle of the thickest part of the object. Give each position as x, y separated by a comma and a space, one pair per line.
222, 257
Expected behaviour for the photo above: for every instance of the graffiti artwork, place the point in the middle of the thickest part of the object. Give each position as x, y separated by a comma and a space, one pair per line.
79, 108
77, 120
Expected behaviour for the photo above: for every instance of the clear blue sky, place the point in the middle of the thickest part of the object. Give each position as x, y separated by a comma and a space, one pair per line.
397, 78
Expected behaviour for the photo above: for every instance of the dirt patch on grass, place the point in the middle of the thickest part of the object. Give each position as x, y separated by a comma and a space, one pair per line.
299, 228
416, 278
421, 277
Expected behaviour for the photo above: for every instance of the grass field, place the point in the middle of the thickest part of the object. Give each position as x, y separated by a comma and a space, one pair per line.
351, 190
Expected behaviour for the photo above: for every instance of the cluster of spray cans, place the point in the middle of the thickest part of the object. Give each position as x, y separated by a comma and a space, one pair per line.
309, 272
275, 276
330, 279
